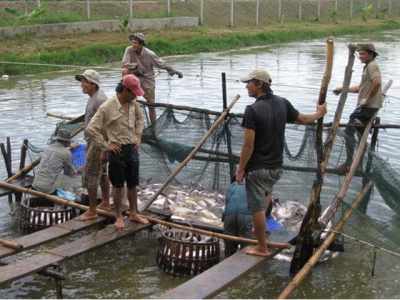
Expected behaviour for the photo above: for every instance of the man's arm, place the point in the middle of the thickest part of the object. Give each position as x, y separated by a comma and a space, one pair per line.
376, 84
247, 151
309, 118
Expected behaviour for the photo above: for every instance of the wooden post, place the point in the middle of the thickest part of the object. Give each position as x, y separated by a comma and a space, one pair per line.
305, 242
202, 12
351, 9
280, 11
232, 13
319, 11
88, 8
299, 11
257, 11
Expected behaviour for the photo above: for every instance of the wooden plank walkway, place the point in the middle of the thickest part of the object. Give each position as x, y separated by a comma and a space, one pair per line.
47, 258
54, 232
216, 279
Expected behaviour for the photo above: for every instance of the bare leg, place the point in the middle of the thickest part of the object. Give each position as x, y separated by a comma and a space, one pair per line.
152, 111
259, 231
133, 215
117, 197
105, 192
91, 213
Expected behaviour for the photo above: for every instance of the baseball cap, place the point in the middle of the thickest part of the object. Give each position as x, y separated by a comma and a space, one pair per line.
131, 82
259, 74
90, 75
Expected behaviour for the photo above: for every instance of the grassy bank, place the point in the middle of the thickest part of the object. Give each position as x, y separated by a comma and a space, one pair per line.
40, 54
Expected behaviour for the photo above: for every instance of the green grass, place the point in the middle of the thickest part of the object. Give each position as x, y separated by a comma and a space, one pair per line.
97, 54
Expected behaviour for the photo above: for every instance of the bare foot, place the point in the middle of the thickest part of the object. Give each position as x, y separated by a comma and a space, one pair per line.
104, 206
139, 219
87, 215
119, 223
256, 251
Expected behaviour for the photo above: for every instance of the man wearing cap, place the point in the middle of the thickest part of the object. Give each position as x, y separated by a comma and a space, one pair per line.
261, 159
369, 100
122, 119
95, 169
55, 158
141, 61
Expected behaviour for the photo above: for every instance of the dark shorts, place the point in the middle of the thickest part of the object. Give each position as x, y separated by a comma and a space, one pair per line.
361, 115
124, 167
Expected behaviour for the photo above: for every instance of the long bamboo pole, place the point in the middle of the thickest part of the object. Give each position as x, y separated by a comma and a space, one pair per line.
34, 163
151, 219
301, 275
194, 151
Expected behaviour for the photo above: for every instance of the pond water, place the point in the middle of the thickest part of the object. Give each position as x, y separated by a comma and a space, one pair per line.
127, 269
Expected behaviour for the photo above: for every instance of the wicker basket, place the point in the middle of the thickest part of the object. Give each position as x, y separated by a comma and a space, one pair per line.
183, 253
39, 213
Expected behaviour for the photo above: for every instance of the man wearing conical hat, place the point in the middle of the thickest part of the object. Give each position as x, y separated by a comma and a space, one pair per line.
369, 100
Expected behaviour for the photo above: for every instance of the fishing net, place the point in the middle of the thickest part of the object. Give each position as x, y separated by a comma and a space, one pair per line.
178, 131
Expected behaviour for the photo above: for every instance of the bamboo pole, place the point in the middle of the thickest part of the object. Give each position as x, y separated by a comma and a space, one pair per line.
339, 197
216, 234
301, 275
60, 116
151, 219
34, 163
305, 243
194, 151
10, 244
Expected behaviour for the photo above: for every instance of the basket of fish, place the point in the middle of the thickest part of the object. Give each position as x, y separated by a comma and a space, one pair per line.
38, 213
183, 253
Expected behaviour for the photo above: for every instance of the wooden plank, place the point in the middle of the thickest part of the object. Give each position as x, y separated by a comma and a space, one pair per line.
216, 279
37, 238
47, 258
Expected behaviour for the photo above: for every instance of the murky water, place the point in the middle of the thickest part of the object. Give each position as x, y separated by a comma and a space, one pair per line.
127, 269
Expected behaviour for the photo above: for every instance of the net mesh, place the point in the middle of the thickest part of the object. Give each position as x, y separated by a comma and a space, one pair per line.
180, 129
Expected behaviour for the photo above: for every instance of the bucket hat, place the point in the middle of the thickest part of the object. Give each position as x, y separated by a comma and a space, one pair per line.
138, 36
90, 75
63, 135
259, 74
367, 47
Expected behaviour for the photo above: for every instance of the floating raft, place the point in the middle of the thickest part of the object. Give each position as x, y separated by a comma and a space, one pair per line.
216, 279
47, 258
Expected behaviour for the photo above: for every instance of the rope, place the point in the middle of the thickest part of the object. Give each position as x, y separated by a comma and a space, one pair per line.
366, 243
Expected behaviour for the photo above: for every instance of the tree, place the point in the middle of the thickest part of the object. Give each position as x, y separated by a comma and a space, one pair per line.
27, 18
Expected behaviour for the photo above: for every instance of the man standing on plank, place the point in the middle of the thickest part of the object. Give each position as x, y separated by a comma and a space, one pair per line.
122, 119
95, 168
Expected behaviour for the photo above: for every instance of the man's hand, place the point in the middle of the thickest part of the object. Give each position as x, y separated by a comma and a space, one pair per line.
364, 102
114, 147
239, 178
337, 91
173, 72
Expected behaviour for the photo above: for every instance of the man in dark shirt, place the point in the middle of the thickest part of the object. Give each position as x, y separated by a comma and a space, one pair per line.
262, 151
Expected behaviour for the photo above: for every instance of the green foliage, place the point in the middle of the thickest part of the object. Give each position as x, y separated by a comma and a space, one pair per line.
28, 18
334, 14
382, 13
365, 11
124, 23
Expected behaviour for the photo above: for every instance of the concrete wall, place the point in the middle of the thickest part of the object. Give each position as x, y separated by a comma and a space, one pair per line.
84, 27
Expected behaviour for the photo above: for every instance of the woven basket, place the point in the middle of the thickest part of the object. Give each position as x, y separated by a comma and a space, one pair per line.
183, 253
39, 213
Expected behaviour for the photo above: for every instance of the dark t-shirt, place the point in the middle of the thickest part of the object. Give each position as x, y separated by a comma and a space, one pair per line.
268, 117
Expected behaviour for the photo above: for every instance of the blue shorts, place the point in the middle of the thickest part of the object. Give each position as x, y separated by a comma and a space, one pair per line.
259, 184
124, 167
